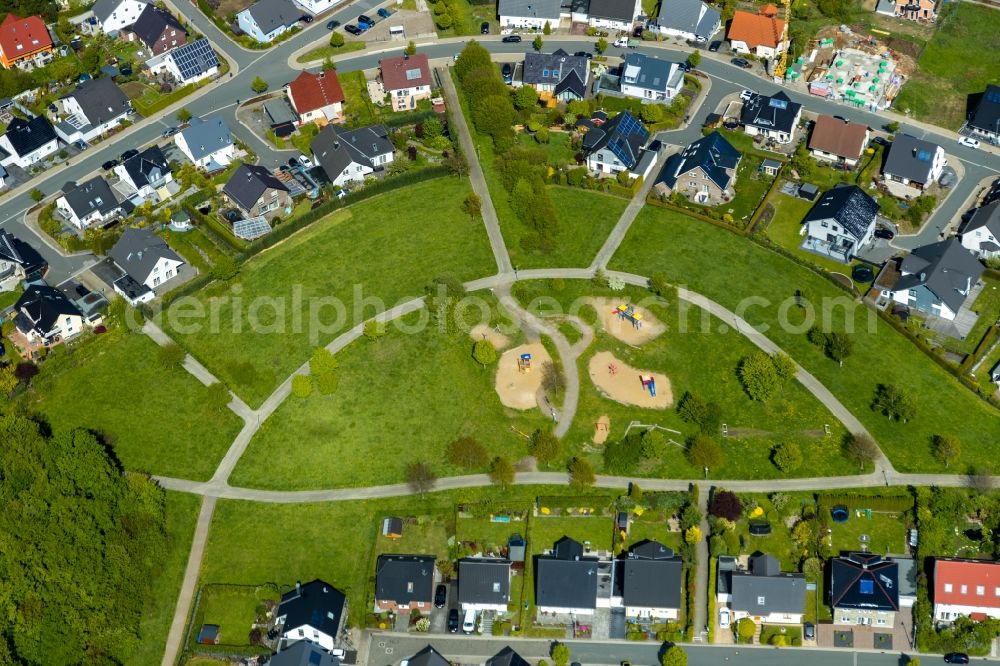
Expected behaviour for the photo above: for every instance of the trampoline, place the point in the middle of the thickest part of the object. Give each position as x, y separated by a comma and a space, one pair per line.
839, 514
862, 274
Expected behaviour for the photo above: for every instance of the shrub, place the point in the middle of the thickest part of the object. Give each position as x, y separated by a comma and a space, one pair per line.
301, 386
725, 504
467, 452
787, 457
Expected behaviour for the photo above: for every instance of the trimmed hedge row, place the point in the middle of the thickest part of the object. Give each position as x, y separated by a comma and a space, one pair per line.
569, 502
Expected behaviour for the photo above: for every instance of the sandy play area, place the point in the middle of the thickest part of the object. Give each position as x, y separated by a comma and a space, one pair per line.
480, 331
621, 382
623, 329
518, 389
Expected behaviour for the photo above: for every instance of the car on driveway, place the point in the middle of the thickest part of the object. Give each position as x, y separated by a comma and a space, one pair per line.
453, 620
968, 142
384, 13
365, 22
956, 658
332, 25
714, 46
809, 631
880, 141
440, 596
511, 39
170, 131
746, 94
882, 232
484, 28
305, 161
724, 618
306, 18
353, 29
131, 152
508, 73
741, 62
109, 165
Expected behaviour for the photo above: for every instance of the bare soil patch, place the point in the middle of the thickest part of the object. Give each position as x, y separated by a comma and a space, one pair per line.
484, 332
601, 429
623, 383
621, 328
518, 389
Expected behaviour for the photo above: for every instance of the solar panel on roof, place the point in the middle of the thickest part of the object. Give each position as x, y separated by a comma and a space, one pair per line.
924, 155
195, 58
993, 96
866, 587
778, 103
251, 229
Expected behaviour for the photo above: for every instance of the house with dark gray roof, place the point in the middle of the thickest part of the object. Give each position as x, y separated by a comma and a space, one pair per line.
113, 15
616, 145
18, 261
614, 14
764, 593
981, 234
506, 657
147, 260
774, 117
484, 584
692, 20
648, 580
841, 223
90, 204
265, 20
404, 583
348, 156
144, 174
46, 316
256, 191
528, 14
315, 612
936, 279
566, 580
558, 74
96, 106
650, 79
428, 657
864, 589
913, 162
704, 172
27, 142
304, 653
984, 123
157, 29
207, 143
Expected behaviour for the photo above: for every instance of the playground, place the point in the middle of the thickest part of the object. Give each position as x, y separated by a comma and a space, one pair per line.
626, 322
519, 375
627, 385
485, 332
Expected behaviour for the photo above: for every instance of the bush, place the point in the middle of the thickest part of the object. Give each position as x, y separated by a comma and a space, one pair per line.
467, 452
725, 504
170, 355
323, 366
301, 386
544, 446
759, 376
787, 457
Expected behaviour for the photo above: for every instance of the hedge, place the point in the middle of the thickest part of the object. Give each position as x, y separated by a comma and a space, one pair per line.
598, 502
874, 502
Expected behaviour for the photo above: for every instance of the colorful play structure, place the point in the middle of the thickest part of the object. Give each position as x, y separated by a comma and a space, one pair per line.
524, 363
648, 383
628, 313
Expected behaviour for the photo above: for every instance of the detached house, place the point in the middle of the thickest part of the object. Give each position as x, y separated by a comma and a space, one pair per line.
349, 155
650, 79
404, 583
759, 34
936, 279
528, 14
317, 6
427, 657
985, 120
90, 204
649, 582
146, 261
23, 40
313, 612
46, 316
146, 175
157, 29
317, 98
27, 141
506, 657
913, 162
864, 589
304, 653
113, 15
969, 588
774, 117
917, 10
838, 141
556, 75
704, 172
841, 223
207, 143
407, 80
566, 580
188, 63
18, 261
95, 107
764, 593
256, 191
692, 20
614, 14
265, 20
616, 145
981, 234
484, 584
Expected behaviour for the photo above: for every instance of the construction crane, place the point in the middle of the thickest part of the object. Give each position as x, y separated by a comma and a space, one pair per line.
783, 44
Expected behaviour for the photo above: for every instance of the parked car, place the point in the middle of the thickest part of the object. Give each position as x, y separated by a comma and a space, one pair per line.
882, 232
714, 46
305, 161
741, 62
637, 32
384, 13
746, 94
292, 162
956, 658
131, 152
109, 165
80, 144
968, 142
469, 623
508, 73
880, 141
284, 167
456, 56
724, 618
584, 54
353, 29
809, 631
332, 25
512, 39
365, 21
306, 18
484, 28
440, 596
170, 131
453, 620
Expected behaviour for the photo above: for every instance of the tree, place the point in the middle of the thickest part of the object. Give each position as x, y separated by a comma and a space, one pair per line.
894, 403
8, 379
323, 367
693, 409
411, 49
301, 386
725, 504
692, 535
802, 533
861, 449
537, 43
759, 376
525, 97
817, 337
674, 656
650, 113
544, 446
472, 205
913, 661
704, 452
37, 195
947, 449
784, 366
653, 444
467, 452
787, 456
501, 472
258, 85
218, 396
560, 654
337, 40
745, 629
622, 456
553, 381
547, 29
839, 346
601, 46
659, 285
892, 127
420, 477
484, 352
695, 58
183, 115
432, 128
443, 21
581, 474
170, 355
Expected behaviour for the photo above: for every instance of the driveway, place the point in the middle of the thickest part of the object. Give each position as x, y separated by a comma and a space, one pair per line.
439, 616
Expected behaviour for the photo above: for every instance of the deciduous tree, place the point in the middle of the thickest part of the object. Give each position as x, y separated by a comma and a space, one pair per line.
601, 46
337, 40
170, 355
544, 446
894, 403
323, 367
183, 115
725, 504
694, 59
861, 449
467, 452
839, 346
258, 85
674, 656
537, 43
947, 449
704, 452
787, 456
759, 376
301, 386
484, 352
581, 474
560, 654
472, 205
501, 472
420, 477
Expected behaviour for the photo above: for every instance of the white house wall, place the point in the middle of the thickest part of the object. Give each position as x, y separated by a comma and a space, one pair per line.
310, 634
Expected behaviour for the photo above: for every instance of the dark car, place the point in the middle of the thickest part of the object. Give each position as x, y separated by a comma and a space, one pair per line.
637, 33
880, 141
292, 162
109, 165
484, 28
453, 620
332, 25
353, 29
714, 47
584, 54
306, 18
170, 131
132, 152
440, 596
882, 232
508, 73
809, 631
365, 21
741, 62
512, 39
956, 658
384, 13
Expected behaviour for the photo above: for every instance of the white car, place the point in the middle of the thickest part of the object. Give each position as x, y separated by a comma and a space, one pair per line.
723, 618
746, 95
968, 141
306, 162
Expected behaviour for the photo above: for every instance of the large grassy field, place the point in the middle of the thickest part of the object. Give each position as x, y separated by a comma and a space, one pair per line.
329, 277
156, 419
732, 270
955, 64
400, 399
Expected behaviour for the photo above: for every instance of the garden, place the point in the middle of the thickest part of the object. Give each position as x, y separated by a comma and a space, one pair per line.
241, 612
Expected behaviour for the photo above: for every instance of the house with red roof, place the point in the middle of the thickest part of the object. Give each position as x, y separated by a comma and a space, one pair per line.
317, 98
407, 80
23, 40
966, 587
759, 34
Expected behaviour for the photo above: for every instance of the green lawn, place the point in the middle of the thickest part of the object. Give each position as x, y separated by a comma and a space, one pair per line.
546, 530
405, 396
886, 533
558, 149
785, 227
233, 609
306, 290
489, 534
429, 536
987, 305
324, 52
948, 71
358, 107
653, 526
155, 419
730, 270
